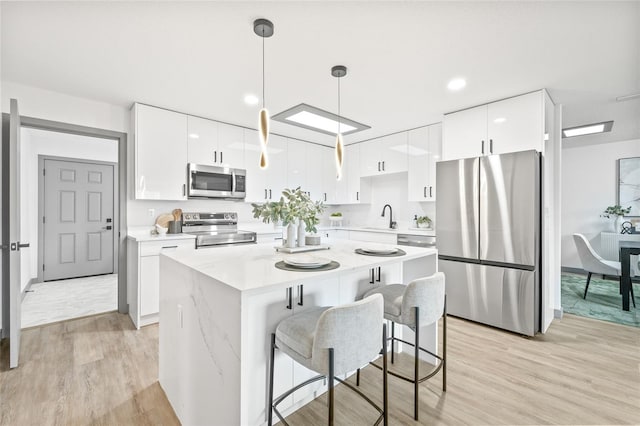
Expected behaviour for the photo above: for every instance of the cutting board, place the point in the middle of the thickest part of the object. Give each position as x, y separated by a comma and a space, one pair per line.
164, 219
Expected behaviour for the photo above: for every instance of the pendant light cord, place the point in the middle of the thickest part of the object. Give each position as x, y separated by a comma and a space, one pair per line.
339, 120
263, 67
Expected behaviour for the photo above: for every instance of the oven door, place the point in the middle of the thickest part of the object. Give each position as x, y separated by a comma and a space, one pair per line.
215, 182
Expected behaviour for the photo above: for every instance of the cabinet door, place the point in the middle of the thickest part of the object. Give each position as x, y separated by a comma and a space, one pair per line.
370, 161
418, 164
297, 164
257, 184
353, 174
331, 187
263, 313
315, 164
516, 124
230, 146
308, 296
203, 141
433, 156
393, 153
149, 285
161, 154
464, 133
277, 170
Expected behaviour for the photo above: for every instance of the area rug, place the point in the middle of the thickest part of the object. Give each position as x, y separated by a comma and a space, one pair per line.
603, 302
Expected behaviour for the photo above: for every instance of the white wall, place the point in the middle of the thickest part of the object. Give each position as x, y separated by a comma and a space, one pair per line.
589, 185
40, 142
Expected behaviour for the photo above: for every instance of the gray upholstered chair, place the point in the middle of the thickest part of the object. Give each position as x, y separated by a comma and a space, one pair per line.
420, 303
332, 341
593, 263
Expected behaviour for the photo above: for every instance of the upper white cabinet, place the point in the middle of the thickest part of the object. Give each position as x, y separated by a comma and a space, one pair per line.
160, 153
296, 164
510, 125
215, 144
384, 155
330, 186
265, 184
424, 146
350, 189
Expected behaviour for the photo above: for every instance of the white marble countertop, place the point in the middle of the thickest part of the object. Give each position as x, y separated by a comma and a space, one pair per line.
143, 233
251, 267
268, 228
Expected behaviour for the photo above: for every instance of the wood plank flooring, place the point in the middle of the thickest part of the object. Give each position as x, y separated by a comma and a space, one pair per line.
100, 370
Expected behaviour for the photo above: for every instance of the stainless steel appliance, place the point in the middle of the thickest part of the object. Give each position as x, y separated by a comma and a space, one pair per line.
416, 240
215, 229
488, 227
216, 182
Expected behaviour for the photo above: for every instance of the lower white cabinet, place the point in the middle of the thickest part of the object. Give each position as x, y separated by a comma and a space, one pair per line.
354, 285
144, 277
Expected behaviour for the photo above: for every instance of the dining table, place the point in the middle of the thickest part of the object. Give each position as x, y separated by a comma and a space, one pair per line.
627, 249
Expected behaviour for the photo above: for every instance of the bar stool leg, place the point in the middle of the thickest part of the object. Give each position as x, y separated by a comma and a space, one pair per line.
330, 386
385, 385
393, 340
271, 364
358, 377
416, 366
444, 346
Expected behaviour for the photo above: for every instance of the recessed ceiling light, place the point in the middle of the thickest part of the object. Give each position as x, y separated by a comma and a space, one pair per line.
587, 129
457, 84
499, 120
312, 118
251, 100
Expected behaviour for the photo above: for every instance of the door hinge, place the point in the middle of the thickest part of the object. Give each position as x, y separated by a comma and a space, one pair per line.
42, 219
43, 266
44, 172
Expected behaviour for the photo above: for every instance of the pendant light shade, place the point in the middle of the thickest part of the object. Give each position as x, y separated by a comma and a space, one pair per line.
339, 71
263, 28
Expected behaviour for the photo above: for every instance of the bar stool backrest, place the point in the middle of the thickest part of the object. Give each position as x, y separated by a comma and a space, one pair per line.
428, 295
353, 330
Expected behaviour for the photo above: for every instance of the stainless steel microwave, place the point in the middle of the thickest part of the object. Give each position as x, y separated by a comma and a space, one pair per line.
216, 182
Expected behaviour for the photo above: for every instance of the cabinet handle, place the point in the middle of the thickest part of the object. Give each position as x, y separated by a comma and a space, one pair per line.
490, 146
289, 291
301, 295
379, 274
482, 147
431, 192
269, 194
221, 157
357, 195
168, 247
265, 194
184, 190
383, 166
215, 156
325, 197
372, 276
424, 191
378, 166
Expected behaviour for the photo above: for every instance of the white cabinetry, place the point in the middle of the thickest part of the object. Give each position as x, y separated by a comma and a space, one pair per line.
160, 139
215, 144
230, 146
510, 125
315, 167
351, 189
384, 155
424, 147
354, 285
265, 184
330, 185
144, 276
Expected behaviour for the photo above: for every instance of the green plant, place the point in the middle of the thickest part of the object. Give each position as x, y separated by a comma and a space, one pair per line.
616, 210
336, 214
293, 204
423, 219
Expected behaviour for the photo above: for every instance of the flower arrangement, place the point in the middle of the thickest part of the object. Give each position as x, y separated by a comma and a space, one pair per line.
294, 204
616, 210
423, 221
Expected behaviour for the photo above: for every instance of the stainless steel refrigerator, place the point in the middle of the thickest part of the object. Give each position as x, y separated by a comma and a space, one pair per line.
488, 228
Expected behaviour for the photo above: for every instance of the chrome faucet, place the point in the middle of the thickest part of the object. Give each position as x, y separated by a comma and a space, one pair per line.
391, 222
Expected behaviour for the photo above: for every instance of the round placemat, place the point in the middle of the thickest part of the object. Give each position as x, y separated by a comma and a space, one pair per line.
328, 267
400, 252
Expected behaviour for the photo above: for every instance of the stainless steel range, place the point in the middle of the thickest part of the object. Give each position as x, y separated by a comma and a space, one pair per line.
215, 229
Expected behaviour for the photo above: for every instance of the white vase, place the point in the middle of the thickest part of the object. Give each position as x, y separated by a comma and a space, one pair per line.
291, 235
618, 224
301, 240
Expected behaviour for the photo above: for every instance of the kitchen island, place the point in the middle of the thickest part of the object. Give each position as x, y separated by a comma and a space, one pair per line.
218, 307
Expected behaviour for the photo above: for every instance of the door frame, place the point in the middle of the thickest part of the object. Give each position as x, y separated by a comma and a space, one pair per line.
116, 221
120, 215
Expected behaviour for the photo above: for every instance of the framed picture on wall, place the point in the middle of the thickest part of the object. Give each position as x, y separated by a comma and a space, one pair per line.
629, 184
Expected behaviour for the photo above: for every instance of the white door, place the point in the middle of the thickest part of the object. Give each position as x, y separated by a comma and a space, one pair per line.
78, 219
15, 243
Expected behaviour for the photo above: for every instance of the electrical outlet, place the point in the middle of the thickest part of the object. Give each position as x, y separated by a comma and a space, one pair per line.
151, 212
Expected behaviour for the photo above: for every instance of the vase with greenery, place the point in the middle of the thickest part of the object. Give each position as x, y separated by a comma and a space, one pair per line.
618, 212
423, 222
294, 207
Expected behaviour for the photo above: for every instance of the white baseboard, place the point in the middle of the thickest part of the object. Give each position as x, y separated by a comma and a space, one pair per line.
557, 313
27, 288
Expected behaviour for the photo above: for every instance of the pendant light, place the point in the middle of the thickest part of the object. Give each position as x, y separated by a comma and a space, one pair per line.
339, 71
263, 28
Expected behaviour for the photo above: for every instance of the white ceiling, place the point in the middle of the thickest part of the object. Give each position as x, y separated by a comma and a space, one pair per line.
203, 57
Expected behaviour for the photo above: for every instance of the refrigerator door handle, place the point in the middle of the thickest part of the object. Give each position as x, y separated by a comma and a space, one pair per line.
490, 146
482, 147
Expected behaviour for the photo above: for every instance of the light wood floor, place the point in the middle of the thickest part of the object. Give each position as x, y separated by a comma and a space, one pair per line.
100, 370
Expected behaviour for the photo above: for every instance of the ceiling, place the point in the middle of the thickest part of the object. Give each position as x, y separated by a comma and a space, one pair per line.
203, 57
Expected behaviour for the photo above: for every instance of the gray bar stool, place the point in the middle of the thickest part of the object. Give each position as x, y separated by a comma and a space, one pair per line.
422, 302
332, 341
